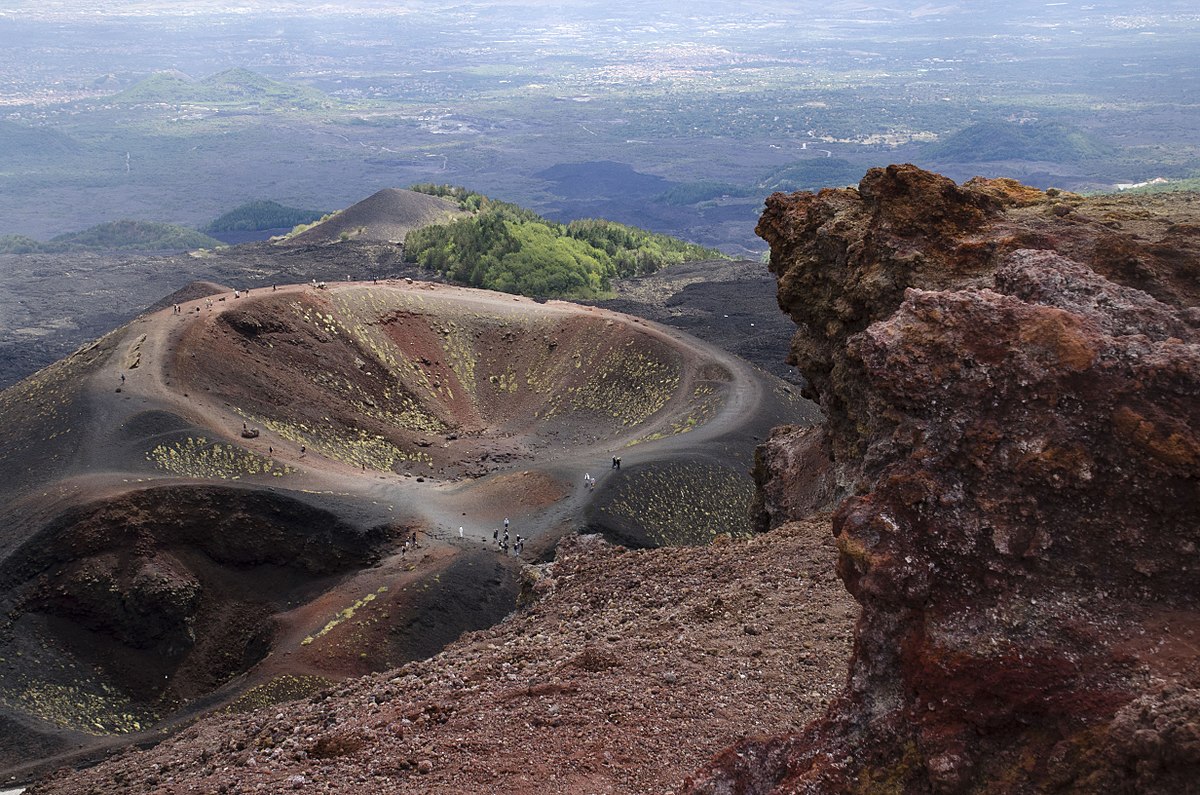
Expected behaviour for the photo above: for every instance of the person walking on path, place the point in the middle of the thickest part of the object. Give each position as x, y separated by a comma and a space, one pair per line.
460, 531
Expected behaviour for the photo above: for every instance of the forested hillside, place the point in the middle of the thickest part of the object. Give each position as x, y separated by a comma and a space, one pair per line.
124, 235
508, 248
257, 215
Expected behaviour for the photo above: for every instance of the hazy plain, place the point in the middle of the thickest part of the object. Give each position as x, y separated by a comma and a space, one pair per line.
679, 117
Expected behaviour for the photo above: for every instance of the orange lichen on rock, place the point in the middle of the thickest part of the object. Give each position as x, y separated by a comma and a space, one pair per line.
1058, 336
1172, 445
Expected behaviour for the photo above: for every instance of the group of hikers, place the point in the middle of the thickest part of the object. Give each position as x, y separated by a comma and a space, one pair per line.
502, 541
518, 545
177, 309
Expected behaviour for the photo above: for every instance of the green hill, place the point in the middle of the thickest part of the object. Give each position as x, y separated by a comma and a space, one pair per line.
19, 244
168, 87
508, 248
1190, 184
20, 140
989, 141
127, 235
813, 173
114, 236
262, 214
236, 87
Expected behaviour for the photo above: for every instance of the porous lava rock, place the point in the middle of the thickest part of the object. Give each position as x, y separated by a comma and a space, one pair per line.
793, 476
1011, 383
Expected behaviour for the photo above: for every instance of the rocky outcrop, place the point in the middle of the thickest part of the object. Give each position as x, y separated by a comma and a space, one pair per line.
1011, 381
793, 477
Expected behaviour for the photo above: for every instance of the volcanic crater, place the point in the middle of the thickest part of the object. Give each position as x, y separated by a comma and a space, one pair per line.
247, 496
413, 380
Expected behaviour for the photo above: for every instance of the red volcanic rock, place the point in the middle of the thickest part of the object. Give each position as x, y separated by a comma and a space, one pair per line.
1013, 401
793, 476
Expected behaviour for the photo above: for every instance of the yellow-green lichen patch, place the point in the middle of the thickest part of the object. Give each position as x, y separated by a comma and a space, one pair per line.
391, 406
681, 503
504, 382
323, 321
629, 385
459, 346
278, 690
344, 615
98, 711
352, 446
545, 369
196, 457
705, 404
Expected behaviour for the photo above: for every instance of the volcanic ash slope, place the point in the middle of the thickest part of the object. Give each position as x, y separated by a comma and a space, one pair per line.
626, 668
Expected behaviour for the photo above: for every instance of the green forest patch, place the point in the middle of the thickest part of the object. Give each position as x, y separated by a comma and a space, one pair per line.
261, 214
123, 235
513, 250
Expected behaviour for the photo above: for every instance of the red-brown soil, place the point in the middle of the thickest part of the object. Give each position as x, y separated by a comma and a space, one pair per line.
626, 669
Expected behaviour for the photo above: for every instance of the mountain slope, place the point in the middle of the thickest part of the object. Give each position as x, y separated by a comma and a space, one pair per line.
999, 140
385, 216
125, 235
259, 215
